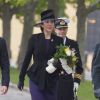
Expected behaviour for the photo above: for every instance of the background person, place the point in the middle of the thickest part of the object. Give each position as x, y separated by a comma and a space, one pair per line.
4, 66
96, 71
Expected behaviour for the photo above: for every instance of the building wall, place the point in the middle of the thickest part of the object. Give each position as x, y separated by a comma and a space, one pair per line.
93, 31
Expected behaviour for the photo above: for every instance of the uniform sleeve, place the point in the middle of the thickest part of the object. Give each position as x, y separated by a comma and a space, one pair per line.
78, 69
27, 59
4, 63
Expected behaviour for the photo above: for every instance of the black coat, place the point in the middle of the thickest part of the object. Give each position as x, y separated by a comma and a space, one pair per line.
37, 49
4, 63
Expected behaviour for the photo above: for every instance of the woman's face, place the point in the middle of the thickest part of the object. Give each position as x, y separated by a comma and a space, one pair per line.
48, 25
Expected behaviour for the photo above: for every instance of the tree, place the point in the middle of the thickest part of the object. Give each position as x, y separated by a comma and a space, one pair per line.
58, 6
7, 9
54, 4
6, 16
29, 10
82, 13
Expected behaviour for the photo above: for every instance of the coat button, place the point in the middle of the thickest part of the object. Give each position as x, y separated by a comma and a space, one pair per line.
62, 72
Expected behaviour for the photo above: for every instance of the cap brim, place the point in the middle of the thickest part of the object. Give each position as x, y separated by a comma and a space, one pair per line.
61, 27
65, 19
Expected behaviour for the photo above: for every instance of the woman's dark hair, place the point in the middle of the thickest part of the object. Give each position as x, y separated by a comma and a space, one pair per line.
41, 28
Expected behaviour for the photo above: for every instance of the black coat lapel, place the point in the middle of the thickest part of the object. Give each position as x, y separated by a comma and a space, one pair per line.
51, 49
41, 44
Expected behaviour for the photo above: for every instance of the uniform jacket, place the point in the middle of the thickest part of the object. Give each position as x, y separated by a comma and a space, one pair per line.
4, 63
78, 70
37, 49
65, 83
96, 70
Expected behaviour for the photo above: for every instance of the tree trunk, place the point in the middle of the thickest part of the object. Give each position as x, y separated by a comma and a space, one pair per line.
81, 29
81, 39
6, 18
27, 31
54, 4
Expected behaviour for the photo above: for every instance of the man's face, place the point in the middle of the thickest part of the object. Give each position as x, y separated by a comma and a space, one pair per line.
61, 31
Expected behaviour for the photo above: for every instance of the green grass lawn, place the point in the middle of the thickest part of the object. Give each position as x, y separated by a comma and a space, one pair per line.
85, 91
14, 75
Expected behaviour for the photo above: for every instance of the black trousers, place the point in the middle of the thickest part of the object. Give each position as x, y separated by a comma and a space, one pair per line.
65, 88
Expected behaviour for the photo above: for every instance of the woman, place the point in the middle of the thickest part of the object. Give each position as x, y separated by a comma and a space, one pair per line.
66, 83
42, 47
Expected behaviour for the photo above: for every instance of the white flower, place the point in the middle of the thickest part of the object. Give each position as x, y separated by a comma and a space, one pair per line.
65, 52
68, 51
73, 53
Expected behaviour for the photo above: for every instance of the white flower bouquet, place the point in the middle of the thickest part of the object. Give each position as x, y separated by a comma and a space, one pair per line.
64, 52
67, 58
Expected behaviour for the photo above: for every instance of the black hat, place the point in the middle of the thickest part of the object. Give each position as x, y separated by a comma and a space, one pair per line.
61, 22
45, 15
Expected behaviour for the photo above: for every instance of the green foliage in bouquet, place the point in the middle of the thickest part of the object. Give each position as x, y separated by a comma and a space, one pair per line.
65, 52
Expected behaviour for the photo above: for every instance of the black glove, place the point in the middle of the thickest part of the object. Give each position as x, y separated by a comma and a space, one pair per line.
20, 85
57, 64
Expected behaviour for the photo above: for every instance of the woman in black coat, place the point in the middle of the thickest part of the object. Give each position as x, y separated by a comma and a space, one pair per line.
42, 47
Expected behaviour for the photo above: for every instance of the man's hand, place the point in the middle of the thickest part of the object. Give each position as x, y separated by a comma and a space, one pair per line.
50, 68
50, 61
76, 86
65, 66
3, 90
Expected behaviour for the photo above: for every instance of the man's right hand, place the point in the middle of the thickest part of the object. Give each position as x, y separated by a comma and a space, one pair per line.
3, 90
20, 85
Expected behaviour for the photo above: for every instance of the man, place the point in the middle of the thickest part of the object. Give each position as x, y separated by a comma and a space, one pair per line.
66, 82
96, 71
4, 66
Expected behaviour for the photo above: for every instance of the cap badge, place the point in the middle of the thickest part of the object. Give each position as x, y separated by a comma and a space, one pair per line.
62, 23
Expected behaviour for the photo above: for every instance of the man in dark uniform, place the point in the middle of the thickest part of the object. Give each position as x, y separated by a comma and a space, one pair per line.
4, 65
96, 71
66, 82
